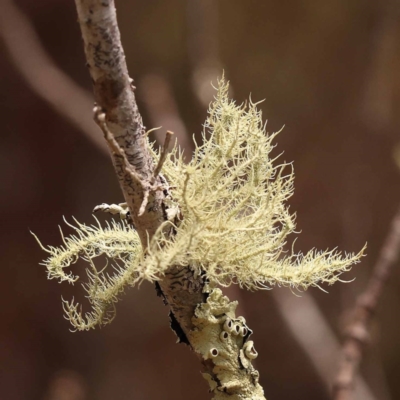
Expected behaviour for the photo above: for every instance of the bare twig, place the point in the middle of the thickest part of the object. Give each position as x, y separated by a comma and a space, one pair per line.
357, 335
163, 154
100, 119
44, 77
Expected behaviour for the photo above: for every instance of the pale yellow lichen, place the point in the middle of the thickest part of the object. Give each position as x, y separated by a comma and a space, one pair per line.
233, 225
233, 375
117, 242
232, 197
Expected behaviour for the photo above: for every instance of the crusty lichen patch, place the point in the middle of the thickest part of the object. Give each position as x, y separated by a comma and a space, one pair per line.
222, 339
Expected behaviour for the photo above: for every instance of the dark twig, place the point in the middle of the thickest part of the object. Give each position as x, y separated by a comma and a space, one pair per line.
357, 335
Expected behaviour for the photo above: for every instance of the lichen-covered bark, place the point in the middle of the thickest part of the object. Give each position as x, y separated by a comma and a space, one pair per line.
222, 340
200, 316
208, 323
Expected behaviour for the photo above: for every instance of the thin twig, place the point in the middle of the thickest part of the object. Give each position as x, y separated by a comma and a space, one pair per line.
100, 119
163, 154
357, 334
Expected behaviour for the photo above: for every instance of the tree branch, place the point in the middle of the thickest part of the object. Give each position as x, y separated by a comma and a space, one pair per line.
114, 95
357, 335
200, 316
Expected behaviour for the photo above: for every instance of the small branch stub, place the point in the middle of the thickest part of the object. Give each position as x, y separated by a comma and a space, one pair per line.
163, 154
121, 209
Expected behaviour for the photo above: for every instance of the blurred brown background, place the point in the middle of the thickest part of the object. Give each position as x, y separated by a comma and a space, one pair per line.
329, 71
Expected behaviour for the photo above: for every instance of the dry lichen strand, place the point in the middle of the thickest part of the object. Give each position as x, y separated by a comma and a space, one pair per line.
117, 242
230, 373
233, 222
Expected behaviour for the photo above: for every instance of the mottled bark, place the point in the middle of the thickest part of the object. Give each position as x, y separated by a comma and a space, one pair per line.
114, 94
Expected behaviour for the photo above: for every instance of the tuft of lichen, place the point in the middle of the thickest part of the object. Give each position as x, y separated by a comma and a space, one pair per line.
230, 221
232, 197
118, 243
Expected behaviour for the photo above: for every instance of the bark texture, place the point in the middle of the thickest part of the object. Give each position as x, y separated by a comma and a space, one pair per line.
114, 94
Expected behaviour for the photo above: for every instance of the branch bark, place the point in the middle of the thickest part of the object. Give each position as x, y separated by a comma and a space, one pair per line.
357, 335
114, 94
200, 316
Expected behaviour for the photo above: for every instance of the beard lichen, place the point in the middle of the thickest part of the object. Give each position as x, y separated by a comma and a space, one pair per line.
117, 242
233, 222
232, 198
